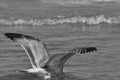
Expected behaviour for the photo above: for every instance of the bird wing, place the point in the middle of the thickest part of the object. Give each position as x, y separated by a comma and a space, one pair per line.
56, 62
35, 49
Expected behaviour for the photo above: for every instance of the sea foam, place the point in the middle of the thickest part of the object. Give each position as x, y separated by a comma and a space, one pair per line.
77, 19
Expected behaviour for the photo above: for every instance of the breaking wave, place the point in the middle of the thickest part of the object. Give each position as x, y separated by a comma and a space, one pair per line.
61, 20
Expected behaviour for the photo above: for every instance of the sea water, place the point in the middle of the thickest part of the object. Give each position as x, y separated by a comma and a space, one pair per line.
62, 29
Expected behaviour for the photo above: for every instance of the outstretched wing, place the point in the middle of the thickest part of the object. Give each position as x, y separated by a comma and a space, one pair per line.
57, 61
35, 49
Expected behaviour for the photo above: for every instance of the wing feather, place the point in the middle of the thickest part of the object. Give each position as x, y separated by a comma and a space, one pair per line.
30, 55
35, 49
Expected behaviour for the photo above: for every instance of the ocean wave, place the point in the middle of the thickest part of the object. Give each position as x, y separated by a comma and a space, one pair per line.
61, 20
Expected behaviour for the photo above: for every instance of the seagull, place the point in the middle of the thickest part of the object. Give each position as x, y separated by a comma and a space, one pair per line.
39, 57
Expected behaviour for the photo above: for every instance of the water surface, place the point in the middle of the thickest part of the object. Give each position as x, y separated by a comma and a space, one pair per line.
101, 65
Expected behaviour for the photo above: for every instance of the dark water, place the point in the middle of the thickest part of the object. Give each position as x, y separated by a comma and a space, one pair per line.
101, 65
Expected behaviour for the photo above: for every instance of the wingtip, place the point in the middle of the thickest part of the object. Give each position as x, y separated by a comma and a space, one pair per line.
12, 36
84, 50
93, 48
89, 49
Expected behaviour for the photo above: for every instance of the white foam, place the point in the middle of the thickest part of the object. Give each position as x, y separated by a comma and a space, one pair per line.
77, 19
